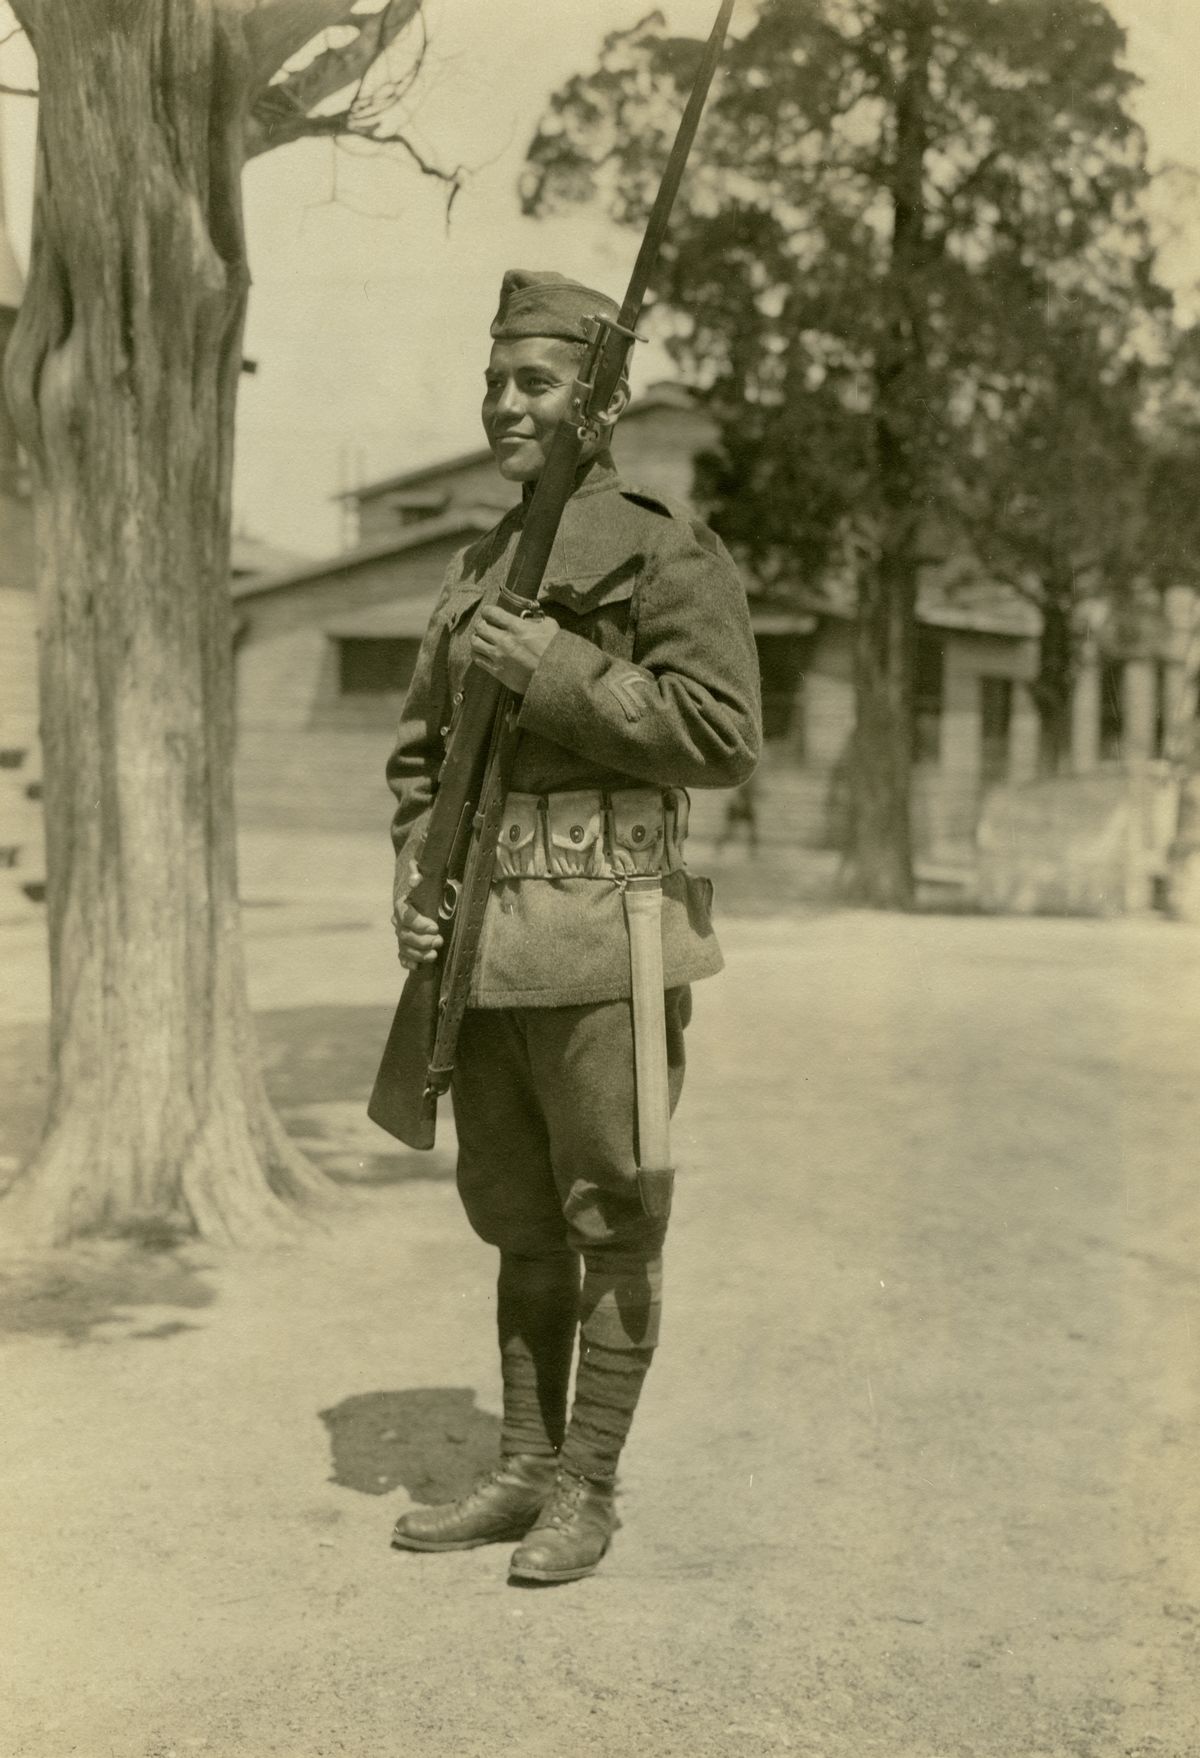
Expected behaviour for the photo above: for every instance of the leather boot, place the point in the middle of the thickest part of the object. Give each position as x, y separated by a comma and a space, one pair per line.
571, 1534
501, 1508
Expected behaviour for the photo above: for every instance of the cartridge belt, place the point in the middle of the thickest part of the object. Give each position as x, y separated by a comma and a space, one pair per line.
590, 834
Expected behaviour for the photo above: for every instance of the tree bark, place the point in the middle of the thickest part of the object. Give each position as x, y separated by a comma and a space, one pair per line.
1053, 688
122, 375
879, 865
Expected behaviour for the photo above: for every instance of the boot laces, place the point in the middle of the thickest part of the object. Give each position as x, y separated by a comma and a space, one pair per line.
568, 1493
466, 1502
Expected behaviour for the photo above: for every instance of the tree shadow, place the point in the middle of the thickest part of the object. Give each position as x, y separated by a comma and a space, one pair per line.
70, 1294
319, 1064
434, 1440
311, 1055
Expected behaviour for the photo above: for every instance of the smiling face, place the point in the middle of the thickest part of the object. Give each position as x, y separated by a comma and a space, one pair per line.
528, 392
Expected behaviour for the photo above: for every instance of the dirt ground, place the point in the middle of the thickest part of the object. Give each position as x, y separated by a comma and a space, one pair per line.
915, 1474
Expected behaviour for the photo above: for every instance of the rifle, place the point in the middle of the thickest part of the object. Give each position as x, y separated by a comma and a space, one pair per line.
456, 860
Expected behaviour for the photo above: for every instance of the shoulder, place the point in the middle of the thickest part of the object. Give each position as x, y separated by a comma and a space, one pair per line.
672, 529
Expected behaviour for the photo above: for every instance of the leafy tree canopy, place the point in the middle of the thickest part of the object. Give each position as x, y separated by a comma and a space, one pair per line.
780, 292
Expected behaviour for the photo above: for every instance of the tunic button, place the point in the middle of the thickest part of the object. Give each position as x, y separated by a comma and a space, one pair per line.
638, 833
514, 833
577, 833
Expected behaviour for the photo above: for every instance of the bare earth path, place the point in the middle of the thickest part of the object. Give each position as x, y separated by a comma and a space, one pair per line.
916, 1475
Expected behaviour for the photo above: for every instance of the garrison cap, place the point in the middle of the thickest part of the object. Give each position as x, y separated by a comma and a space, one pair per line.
538, 302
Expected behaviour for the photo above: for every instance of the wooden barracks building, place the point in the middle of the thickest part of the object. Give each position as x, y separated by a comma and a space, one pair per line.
324, 652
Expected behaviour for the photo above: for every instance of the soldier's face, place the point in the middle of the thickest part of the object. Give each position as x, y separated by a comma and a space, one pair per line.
528, 392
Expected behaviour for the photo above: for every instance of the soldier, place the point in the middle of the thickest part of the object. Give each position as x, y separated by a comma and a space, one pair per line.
638, 680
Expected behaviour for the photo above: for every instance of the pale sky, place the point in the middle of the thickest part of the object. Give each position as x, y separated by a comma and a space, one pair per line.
368, 319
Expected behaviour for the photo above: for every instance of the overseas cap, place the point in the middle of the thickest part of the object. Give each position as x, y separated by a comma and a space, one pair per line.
538, 302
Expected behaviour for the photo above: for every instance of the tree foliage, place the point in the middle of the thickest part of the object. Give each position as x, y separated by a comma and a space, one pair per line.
901, 213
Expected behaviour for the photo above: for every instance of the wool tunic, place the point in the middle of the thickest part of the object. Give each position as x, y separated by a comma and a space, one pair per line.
650, 680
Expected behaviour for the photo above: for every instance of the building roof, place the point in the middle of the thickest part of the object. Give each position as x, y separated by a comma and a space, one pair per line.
949, 598
661, 395
977, 607
979, 611
251, 555
463, 522
981, 608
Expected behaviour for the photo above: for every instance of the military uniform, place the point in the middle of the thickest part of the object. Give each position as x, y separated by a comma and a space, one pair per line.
648, 687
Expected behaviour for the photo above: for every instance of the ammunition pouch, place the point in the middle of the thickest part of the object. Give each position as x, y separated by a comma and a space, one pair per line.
589, 834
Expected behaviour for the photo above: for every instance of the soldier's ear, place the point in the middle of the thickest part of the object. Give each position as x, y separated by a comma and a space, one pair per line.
616, 404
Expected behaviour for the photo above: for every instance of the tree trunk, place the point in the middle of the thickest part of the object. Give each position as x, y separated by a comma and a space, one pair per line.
123, 376
1054, 687
879, 867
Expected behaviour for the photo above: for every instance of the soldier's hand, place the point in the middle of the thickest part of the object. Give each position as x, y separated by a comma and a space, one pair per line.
510, 647
417, 936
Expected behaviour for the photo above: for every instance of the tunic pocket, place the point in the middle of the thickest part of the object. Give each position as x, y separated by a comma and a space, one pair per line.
597, 607
583, 593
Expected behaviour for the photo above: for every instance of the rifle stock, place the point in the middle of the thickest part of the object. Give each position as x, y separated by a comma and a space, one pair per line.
402, 1102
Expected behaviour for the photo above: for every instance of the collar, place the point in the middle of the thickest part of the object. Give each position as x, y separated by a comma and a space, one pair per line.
598, 474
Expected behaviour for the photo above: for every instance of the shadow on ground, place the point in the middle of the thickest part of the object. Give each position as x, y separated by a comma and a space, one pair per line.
319, 1064
102, 1284
434, 1440
312, 1055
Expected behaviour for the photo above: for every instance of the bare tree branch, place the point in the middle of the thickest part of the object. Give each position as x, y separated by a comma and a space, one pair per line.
342, 126
276, 30
380, 137
283, 110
